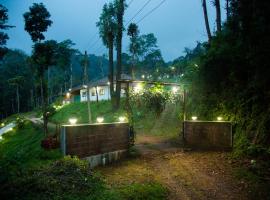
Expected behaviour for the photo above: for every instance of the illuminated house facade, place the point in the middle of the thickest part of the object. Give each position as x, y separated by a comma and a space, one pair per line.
98, 90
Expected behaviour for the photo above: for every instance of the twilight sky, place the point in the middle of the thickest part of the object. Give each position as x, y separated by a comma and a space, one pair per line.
176, 23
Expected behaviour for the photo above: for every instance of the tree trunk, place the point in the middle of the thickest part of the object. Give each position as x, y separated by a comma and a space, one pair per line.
18, 98
71, 77
218, 15
41, 91
111, 68
87, 87
32, 104
120, 14
206, 20
96, 93
227, 9
133, 66
44, 105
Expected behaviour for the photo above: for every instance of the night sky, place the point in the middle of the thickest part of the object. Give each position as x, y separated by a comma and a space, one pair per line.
176, 23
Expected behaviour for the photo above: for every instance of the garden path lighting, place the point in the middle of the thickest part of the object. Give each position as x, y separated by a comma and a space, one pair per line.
219, 118
138, 88
143, 76
1, 138
3, 124
108, 83
100, 119
194, 118
68, 95
122, 119
73, 121
174, 89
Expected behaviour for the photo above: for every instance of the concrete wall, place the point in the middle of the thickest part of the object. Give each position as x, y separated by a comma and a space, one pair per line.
98, 143
208, 135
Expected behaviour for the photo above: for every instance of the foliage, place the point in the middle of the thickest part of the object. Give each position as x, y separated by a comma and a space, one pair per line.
148, 191
223, 80
37, 21
15, 68
153, 98
67, 178
107, 24
20, 149
3, 26
21, 122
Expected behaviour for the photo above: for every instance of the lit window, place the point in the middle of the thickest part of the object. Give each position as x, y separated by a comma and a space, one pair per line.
101, 91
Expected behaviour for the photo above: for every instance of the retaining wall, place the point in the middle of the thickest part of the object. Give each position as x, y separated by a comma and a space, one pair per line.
98, 143
208, 135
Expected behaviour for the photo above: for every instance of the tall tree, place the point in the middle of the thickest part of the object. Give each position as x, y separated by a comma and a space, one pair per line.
3, 26
205, 13
107, 31
37, 21
227, 9
218, 14
17, 81
120, 8
133, 32
44, 56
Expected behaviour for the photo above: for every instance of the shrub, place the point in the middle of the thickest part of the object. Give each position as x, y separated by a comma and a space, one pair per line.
68, 178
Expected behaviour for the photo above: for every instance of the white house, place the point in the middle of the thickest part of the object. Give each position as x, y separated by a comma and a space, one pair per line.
98, 90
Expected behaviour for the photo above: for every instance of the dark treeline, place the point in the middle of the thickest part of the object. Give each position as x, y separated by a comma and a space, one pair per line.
229, 75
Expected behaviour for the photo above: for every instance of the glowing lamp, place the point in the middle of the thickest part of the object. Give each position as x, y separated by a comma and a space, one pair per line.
3, 124
10, 129
68, 95
108, 83
138, 88
219, 118
174, 89
194, 118
100, 119
122, 119
143, 76
1, 138
72, 121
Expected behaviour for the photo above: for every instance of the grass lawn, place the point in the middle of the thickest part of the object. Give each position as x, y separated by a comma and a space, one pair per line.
168, 124
79, 110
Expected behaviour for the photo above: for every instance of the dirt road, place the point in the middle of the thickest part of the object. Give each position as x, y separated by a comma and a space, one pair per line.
186, 174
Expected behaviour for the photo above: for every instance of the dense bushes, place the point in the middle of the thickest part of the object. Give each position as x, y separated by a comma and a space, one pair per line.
68, 178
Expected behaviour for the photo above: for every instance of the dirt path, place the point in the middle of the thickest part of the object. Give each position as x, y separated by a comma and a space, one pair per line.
187, 175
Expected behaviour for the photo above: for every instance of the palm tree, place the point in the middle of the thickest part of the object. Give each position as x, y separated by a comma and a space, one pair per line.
218, 15
120, 8
133, 32
206, 20
107, 30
